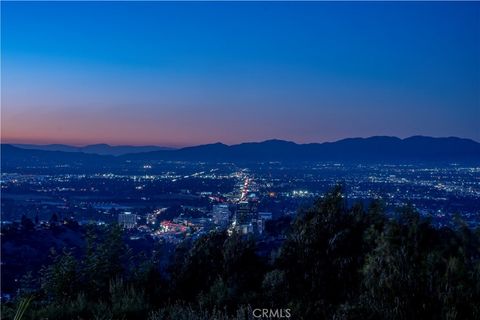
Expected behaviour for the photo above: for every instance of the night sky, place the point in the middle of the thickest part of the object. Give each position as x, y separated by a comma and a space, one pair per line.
180, 74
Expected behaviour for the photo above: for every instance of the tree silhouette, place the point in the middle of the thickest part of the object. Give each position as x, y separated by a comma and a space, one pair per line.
337, 262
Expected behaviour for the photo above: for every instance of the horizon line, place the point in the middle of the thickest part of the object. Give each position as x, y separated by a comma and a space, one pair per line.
173, 146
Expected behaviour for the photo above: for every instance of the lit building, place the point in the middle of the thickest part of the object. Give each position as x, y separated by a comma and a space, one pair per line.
261, 218
127, 220
221, 214
246, 217
242, 216
265, 216
246, 228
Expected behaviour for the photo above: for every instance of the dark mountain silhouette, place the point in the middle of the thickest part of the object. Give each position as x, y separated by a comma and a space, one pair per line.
102, 148
378, 149
373, 149
13, 157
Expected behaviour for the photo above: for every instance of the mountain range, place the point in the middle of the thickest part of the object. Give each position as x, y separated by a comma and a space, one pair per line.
379, 148
373, 149
102, 148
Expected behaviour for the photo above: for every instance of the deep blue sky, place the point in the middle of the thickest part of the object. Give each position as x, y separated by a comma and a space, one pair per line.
189, 73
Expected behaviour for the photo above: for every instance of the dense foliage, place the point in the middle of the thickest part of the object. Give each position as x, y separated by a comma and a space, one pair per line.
337, 262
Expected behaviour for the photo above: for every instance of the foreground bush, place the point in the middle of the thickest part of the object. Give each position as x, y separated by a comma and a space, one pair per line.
338, 262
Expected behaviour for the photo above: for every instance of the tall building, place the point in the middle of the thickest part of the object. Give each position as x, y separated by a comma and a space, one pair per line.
221, 214
242, 215
262, 217
127, 220
246, 216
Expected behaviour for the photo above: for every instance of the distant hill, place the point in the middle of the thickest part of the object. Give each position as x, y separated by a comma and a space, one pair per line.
103, 149
374, 149
13, 157
377, 149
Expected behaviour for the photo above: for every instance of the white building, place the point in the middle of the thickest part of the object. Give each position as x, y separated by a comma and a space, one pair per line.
221, 214
265, 216
127, 220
